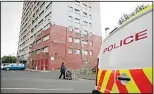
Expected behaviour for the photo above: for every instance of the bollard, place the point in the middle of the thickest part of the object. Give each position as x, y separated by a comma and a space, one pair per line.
36, 68
73, 74
52, 69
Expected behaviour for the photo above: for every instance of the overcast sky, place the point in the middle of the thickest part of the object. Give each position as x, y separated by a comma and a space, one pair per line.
11, 18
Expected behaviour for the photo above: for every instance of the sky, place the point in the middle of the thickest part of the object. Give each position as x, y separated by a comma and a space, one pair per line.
112, 11
11, 19
10, 27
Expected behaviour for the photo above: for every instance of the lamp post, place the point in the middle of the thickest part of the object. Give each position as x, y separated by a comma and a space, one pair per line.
9, 59
107, 28
12, 58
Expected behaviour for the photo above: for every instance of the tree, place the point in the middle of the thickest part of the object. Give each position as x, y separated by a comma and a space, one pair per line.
9, 59
23, 61
127, 16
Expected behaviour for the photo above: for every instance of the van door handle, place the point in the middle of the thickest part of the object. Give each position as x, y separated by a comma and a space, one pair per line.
124, 78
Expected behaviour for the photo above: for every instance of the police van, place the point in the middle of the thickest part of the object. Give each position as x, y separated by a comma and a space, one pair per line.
125, 60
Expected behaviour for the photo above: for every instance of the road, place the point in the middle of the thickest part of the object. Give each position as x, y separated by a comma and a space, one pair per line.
42, 82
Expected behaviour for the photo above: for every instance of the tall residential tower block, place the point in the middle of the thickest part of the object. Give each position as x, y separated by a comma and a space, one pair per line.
55, 32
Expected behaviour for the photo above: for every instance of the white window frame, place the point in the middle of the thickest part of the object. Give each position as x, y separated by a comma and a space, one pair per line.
90, 16
40, 22
77, 11
90, 34
77, 3
86, 52
85, 32
85, 6
90, 25
89, 8
76, 20
85, 23
38, 51
38, 41
84, 42
85, 14
48, 15
91, 52
76, 40
46, 49
76, 30
77, 51
47, 26
45, 38
70, 28
49, 5
41, 13
90, 43
70, 39
70, 9
70, 18
70, 50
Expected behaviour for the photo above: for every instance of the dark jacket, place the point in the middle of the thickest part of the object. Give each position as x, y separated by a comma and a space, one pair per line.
62, 69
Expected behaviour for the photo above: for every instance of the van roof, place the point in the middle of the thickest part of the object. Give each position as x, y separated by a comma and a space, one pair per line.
131, 19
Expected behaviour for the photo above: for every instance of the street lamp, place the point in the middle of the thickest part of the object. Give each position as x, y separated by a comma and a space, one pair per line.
12, 58
9, 59
107, 28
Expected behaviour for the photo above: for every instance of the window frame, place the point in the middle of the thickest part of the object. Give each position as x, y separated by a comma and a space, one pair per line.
84, 6
91, 52
76, 50
70, 28
70, 9
77, 40
70, 52
70, 18
45, 38
47, 49
77, 20
77, 11
70, 39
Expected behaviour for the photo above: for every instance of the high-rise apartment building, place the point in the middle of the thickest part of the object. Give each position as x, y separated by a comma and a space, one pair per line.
55, 32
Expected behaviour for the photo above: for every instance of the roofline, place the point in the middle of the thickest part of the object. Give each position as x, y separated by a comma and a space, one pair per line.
131, 19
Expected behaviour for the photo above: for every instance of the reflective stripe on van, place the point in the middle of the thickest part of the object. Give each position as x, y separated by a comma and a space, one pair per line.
141, 81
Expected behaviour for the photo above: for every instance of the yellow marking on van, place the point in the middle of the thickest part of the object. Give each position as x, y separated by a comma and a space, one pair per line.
115, 88
98, 75
131, 85
105, 80
148, 73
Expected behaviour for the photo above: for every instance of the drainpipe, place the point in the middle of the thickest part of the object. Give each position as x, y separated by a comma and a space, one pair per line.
44, 65
36, 66
66, 44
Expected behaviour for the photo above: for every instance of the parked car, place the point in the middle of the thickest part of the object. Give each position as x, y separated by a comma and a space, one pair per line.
14, 67
94, 69
3, 65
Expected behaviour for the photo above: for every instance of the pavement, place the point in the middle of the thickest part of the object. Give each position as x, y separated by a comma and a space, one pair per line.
88, 76
42, 82
76, 74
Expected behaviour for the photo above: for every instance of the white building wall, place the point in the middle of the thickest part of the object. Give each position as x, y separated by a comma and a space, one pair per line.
96, 19
59, 13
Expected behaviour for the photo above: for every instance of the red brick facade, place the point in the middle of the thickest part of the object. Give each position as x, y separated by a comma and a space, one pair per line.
58, 48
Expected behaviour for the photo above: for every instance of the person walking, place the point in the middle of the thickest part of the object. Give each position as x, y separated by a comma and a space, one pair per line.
62, 71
